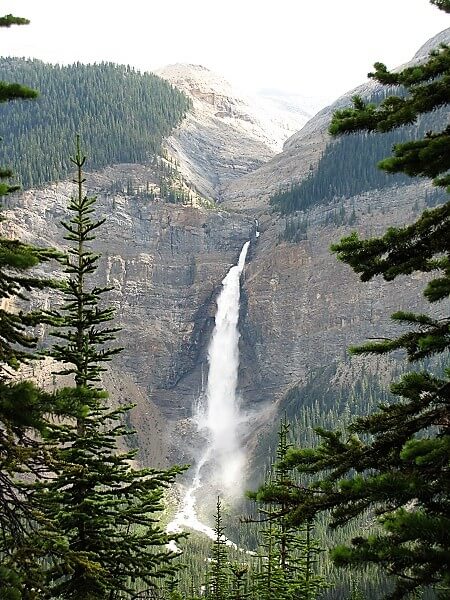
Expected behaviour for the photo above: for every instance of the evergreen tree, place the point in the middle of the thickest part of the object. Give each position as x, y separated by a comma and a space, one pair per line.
395, 462
239, 572
355, 592
218, 579
8, 92
102, 511
269, 580
24, 409
288, 569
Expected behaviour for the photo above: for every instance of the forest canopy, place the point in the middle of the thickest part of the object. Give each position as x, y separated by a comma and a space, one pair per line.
121, 114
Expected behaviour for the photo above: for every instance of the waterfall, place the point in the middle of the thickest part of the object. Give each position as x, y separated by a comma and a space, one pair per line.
220, 419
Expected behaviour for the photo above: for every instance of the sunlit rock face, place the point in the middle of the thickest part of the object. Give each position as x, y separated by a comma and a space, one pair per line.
226, 134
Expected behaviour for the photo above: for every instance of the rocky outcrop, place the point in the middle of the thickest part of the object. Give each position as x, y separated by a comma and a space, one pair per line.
225, 135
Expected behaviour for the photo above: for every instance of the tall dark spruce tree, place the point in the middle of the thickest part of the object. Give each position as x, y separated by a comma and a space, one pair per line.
24, 409
395, 462
110, 543
288, 553
239, 585
217, 587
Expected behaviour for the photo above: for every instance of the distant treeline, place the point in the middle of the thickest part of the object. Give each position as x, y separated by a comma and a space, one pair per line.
348, 165
122, 116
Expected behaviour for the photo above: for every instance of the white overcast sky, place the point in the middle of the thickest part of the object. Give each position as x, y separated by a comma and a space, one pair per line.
309, 47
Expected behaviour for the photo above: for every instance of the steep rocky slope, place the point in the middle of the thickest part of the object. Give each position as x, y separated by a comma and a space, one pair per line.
225, 135
303, 150
300, 308
165, 263
303, 307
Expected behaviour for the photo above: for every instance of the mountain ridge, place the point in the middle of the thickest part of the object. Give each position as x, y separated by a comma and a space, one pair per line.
303, 150
225, 135
300, 308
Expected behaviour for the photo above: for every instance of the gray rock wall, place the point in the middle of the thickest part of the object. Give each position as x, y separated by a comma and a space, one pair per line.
165, 263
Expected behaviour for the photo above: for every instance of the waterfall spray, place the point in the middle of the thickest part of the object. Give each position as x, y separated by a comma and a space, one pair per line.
223, 416
220, 418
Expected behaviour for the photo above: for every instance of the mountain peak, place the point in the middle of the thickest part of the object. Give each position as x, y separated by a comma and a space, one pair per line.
225, 134
196, 80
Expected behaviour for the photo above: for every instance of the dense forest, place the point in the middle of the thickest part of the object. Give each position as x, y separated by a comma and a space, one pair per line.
123, 116
346, 167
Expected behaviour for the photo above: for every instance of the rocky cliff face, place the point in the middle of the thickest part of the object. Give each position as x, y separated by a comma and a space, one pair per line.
304, 308
300, 308
165, 263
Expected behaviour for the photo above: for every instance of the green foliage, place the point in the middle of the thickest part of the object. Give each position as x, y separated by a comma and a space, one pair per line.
295, 229
122, 115
25, 410
288, 553
442, 4
394, 463
80, 322
218, 576
9, 20
355, 592
15, 91
12, 91
103, 538
392, 471
10, 584
346, 167
426, 90
16, 259
239, 573
424, 245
